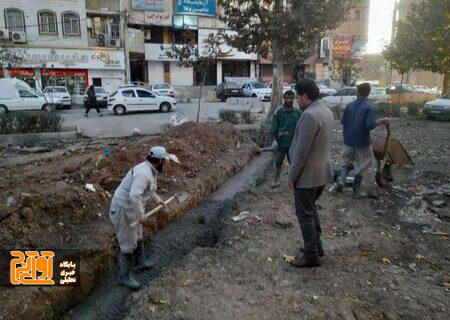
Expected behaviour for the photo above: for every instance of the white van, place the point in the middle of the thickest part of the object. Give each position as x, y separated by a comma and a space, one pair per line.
16, 95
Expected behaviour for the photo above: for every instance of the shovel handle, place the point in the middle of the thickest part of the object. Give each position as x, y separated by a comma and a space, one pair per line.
152, 212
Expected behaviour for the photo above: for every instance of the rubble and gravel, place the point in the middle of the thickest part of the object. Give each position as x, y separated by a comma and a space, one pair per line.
386, 257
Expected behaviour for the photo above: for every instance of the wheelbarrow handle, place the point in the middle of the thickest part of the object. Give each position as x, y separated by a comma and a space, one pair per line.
387, 144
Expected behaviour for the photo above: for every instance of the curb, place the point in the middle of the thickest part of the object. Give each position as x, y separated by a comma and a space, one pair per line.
29, 138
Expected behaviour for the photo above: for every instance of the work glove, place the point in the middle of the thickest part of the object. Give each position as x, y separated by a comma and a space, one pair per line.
274, 145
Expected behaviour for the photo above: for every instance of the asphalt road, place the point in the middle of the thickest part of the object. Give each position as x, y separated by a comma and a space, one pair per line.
112, 126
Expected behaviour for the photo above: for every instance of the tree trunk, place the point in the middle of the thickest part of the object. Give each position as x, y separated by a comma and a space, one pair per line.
200, 95
277, 62
446, 84
400, 88
278, 78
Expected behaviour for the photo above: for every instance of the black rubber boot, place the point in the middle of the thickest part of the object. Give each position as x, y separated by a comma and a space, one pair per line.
139, 258
276, 181
125, 262
357, 193
341, 179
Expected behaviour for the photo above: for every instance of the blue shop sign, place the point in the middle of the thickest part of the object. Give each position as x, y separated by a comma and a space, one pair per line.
199, 7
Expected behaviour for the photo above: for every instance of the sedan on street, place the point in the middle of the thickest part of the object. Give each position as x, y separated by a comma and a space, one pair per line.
139, 99
439, 108
58, 96
228, 89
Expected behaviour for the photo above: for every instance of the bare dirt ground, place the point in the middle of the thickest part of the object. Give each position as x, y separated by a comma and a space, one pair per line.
385, 258
44, 202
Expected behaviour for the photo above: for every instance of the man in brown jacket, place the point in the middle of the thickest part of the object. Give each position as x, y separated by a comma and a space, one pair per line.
310, 169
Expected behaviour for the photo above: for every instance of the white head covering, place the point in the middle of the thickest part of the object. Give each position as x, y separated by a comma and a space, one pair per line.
161, 153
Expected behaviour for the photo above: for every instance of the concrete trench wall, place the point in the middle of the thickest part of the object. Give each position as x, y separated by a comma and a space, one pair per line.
51, 302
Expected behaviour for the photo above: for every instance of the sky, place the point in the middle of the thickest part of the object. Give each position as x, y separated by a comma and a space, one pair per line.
380, 24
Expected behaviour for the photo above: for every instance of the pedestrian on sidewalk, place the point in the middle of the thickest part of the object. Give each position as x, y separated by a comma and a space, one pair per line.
358, 120
91, 101
282, 129
137, 188
310, 169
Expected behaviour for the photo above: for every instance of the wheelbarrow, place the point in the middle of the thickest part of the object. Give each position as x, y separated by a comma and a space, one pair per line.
388, 152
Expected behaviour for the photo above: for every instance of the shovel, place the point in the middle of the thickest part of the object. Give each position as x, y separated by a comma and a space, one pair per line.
180, 198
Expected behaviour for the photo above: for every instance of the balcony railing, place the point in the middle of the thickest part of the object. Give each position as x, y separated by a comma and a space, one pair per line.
103, 5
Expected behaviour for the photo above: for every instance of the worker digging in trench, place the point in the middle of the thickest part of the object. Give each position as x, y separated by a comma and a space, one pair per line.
127, 212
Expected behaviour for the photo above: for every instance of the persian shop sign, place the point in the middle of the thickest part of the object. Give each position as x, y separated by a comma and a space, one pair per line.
196, 7
73, 59
342, 47
149, 5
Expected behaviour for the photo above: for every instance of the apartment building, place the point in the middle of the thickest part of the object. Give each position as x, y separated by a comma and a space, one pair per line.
161, 23
348, 41
64, 42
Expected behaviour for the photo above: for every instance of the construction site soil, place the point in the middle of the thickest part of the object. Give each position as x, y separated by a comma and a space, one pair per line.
386, 257
45, 204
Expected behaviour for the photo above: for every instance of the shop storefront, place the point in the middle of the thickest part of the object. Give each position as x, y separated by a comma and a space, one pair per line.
25, 74
231, 62
73, 68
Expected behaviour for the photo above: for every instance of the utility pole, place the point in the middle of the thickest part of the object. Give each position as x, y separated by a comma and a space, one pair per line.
124, 19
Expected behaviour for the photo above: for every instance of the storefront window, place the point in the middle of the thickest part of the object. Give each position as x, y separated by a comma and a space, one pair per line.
74, 80
235, 69
26, 75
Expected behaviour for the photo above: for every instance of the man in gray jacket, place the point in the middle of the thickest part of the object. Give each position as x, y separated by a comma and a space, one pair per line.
310, 168
137, 188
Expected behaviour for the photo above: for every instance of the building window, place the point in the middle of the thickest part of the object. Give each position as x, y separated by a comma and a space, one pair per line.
71, 24
14, 20
47, 22
99, 26
185, 22
115, 28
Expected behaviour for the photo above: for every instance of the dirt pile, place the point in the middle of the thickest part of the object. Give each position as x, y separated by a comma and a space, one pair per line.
47, 205
50, 196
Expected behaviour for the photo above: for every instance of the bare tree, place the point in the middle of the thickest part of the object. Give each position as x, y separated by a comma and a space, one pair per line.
199, 56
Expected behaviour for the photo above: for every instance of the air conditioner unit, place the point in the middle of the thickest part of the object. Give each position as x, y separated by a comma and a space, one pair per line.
18, 36
4, 34
114, 42
101, 39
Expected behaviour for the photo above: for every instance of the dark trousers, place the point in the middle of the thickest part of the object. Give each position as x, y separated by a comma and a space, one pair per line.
306, 211
90, 106
279, 156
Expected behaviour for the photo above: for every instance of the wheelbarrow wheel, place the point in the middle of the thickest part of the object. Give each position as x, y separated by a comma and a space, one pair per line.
384, 177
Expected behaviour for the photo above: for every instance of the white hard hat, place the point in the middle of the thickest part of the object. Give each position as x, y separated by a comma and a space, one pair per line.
161, 153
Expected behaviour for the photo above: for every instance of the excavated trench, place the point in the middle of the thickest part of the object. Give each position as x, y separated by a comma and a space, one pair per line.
200, 227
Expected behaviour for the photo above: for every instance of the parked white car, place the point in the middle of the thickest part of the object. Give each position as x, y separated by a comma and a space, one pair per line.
326, 91
286, 86
378, 94
163, 89
17, 95
101, 94
256, 90
139, 99
342, 97
58, 96
439, 108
